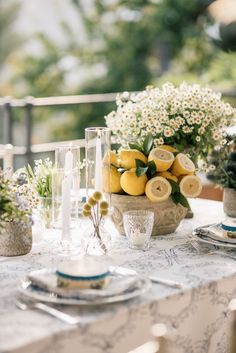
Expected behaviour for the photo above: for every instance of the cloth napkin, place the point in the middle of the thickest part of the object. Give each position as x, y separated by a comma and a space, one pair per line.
214, 232
118, 284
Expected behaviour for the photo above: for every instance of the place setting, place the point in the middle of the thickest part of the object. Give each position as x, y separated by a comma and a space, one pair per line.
218, 235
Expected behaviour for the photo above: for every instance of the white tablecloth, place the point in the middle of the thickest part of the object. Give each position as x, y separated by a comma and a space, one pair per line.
197, 317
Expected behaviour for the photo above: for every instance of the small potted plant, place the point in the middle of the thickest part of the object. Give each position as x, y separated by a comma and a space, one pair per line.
15, 220
221, 170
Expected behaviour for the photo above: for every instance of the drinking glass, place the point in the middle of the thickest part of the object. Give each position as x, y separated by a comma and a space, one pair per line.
138, 226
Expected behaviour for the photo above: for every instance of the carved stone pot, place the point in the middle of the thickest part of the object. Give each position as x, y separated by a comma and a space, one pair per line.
15, 238
167, 215
229, 202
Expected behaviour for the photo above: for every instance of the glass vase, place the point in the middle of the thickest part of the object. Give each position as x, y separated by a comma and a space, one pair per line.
96, 241
45, 211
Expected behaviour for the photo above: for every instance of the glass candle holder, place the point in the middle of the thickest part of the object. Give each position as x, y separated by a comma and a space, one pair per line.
58, 176
138, 226
66, 192
98, 145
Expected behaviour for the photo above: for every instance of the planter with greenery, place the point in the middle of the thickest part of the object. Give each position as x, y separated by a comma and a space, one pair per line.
15, 220
222, 171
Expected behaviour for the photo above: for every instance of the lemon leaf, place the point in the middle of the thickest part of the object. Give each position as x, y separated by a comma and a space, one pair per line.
147, 144
174, 186
141, 171
179, 198
140, 163
135, 146
151, 169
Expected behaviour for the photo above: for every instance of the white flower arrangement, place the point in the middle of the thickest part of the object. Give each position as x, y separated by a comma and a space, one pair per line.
189, 117
40, 177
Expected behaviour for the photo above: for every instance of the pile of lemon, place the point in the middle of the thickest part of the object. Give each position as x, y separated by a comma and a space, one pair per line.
171, 168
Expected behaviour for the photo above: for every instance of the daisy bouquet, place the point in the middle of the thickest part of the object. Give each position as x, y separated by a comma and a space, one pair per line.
190, 118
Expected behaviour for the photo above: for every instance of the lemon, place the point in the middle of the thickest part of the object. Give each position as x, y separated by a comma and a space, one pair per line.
132, 184
111, 179
168, 175
190, 186
162, 158
127, 158
182, 165
158, 189
111, 158
168, 148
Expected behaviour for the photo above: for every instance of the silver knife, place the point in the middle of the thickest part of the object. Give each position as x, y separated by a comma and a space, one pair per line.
166, 282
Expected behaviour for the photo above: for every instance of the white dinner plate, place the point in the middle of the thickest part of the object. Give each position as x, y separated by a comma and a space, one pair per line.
213, 234
32, 292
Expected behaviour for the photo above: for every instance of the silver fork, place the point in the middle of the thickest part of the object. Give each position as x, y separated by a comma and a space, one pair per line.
204, 250
49, 310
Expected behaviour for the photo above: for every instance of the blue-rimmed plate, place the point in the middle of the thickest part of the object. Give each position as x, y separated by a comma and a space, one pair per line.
141, 285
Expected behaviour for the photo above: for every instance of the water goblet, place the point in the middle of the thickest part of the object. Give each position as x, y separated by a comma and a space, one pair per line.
138, 225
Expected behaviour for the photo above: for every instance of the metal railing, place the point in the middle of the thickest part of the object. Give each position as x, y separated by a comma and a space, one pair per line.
8, 105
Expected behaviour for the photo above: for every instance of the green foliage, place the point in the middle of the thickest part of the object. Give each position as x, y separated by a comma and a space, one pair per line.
179, 198
141, 167
144, 145
222, 165
176, 195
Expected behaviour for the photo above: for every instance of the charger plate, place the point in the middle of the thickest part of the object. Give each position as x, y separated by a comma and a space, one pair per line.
33, 292
213, 234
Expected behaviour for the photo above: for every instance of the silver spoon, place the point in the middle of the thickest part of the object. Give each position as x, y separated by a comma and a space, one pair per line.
49, 310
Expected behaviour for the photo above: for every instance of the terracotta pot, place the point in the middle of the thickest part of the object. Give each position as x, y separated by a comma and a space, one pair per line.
229, 202
167, 215
15, 238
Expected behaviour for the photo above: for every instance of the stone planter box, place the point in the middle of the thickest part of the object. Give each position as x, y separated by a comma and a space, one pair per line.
167, 215
15, 239
229, 202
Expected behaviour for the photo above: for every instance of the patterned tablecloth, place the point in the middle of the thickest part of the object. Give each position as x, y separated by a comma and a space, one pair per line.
197, 316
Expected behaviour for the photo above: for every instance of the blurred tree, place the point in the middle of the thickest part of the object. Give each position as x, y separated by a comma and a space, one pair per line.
128, 45
9, 40
134, 42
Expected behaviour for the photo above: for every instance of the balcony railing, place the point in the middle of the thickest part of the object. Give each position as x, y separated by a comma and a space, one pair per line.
28, 104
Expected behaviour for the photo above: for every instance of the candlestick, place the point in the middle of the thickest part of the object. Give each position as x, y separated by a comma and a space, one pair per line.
8, 161
68, 161
66, 197
98, 163
98, 144
66, 206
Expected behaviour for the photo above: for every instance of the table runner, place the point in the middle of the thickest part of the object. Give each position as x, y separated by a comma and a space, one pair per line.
197, 316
